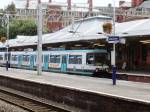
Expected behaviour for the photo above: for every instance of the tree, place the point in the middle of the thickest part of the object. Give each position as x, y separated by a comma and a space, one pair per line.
2, 34
23, 27
107, 28
11, 9
17, 27
3, 39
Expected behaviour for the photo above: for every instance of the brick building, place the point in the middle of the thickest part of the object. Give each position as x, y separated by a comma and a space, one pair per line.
137, 2
55, 15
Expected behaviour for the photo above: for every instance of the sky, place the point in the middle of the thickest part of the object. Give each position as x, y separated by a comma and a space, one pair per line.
4, 3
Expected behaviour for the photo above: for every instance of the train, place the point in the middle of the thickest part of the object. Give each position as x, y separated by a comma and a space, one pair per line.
82, 62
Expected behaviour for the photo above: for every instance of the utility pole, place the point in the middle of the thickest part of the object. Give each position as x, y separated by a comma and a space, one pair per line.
39, 46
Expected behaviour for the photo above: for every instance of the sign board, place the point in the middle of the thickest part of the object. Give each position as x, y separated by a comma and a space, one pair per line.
113, 39
122, 40
113, 58
7, 46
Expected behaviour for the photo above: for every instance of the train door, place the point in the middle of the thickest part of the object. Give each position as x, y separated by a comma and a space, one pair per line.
19, 61
64, 63
45, 62
31, 62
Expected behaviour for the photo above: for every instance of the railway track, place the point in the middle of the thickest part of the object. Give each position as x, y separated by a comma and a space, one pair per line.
27, 104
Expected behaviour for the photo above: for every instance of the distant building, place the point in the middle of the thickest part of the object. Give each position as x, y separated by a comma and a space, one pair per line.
56, 15
145, 6
54, 18
136, 3
28, 9
125, 5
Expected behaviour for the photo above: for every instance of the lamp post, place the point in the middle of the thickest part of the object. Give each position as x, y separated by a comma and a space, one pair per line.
39, 46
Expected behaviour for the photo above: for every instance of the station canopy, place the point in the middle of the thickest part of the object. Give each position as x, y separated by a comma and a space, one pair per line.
86, 29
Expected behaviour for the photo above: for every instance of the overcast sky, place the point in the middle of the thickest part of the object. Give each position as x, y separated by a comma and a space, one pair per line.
4, 3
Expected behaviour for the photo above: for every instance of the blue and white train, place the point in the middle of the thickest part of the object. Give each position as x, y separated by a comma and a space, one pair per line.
82, 62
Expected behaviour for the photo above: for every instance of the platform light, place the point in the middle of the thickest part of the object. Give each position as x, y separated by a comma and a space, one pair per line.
77, 45
145, 41
62, 46
99, 44
125, 33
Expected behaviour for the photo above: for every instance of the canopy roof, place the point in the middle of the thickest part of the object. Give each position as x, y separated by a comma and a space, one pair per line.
86, 29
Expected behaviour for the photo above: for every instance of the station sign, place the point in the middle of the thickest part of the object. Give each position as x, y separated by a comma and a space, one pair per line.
113, 39
7, 46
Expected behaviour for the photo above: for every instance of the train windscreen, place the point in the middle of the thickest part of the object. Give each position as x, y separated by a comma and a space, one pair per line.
97, 59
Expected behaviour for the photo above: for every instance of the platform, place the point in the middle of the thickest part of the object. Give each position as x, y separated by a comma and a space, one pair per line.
124, 89
135, 76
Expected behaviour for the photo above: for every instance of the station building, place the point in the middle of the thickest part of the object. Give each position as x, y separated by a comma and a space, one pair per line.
88, 34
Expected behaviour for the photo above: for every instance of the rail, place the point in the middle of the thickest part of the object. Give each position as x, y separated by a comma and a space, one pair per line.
27, 104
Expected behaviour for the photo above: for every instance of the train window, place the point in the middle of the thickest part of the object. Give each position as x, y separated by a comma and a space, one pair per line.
1, 57
57, 58
23, 58
14, 57
75, 59
26, 58
35, 58
101, 59
6, 56
90, 58
42, 58
97, 59
54, 59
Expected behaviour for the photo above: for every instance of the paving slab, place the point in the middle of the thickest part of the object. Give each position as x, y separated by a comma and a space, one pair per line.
124, 89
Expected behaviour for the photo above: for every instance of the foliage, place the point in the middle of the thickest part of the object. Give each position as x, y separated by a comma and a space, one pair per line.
107, 28
2, 34
23, 27
2, 31
3, 39
11, 8
17, 27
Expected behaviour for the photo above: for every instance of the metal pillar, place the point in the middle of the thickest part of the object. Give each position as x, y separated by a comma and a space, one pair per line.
39, 46
114, 50
114, 65
7, 43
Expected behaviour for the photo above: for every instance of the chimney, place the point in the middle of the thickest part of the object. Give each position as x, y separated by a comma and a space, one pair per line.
121, 2
39, 1
109, 5
137, 2
27, 4
69, 4
90, 2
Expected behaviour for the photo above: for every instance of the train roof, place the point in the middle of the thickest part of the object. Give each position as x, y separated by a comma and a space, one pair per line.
60, 51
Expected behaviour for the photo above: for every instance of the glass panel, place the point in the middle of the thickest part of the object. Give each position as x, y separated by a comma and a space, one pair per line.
75, 59
97, 59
